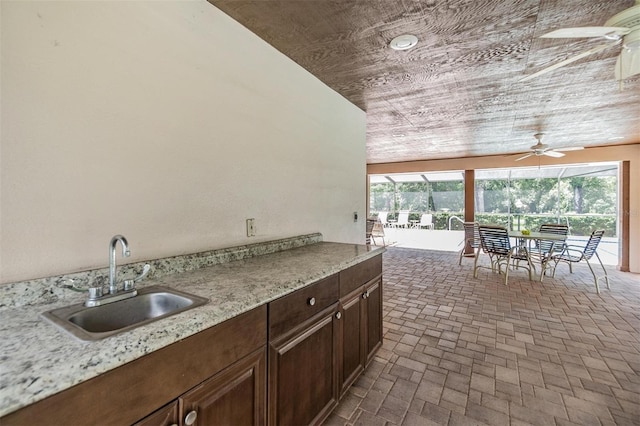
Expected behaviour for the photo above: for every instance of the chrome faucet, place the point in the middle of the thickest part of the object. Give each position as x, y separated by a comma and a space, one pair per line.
113, 286
96, 294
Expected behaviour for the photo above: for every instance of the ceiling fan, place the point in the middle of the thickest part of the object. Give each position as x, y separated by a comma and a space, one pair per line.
623, 27
540, 149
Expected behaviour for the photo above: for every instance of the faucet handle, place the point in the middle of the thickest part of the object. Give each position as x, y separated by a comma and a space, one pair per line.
95, 292
129, 285
145, 271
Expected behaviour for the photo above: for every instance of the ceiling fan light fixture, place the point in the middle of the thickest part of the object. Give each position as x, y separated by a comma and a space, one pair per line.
403, 42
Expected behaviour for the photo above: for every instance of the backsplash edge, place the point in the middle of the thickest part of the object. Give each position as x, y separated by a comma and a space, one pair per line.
70, 287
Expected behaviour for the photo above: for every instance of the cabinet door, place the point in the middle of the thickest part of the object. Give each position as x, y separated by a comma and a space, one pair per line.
166, 416
353, 340
373, 323
303, 374
235, 396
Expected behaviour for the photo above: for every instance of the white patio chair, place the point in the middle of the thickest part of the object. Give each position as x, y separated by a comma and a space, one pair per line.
382, 217
426, 221
403, 219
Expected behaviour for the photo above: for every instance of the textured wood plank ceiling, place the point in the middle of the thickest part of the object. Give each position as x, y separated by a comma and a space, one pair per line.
457, 94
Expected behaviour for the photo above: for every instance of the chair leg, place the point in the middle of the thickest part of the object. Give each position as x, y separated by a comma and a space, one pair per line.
595, 277
475, 264
506, 273
544, 265
606, 277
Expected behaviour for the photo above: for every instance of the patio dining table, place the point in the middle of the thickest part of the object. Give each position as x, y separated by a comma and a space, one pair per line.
524, 243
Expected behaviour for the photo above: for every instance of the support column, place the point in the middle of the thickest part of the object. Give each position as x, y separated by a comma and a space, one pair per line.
625, 216
469, 204
469, 195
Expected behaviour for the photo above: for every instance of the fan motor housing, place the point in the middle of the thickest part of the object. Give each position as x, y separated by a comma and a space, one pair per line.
628, 18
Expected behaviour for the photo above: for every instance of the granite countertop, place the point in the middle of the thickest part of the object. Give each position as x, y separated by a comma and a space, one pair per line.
39, 359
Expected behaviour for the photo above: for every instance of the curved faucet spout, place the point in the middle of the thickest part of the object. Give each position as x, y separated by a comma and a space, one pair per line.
113, 288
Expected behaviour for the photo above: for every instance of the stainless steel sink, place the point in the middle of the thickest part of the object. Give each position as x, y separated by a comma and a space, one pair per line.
151, 304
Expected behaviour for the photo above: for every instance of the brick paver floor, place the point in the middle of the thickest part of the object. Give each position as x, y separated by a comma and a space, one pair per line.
465, 351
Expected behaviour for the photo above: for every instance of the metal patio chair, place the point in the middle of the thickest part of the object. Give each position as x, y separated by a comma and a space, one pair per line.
574, 254
374, 229
545, 249
471, 240
494, 241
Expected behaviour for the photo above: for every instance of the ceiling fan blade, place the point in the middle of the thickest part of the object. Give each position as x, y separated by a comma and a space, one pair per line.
568, 61
569, 148
523, 157
553, 154
627, 64
580, 32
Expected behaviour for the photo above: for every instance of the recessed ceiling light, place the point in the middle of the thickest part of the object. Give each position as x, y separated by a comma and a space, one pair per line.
403, 42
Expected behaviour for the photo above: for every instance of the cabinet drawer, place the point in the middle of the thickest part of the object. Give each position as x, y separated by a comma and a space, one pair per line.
359, 274
292, 309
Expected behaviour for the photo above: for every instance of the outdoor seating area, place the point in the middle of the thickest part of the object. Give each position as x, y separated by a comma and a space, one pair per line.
546, 248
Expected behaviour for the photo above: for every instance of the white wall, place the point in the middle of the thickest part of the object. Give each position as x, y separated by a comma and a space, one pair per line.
169, 123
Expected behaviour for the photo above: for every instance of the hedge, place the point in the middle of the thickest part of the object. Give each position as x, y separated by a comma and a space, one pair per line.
579, 225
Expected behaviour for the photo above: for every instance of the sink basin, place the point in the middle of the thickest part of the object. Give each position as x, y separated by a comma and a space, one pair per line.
151, 304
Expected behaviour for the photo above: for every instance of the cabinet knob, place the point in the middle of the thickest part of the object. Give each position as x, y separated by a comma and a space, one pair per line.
190, 418
338, 315
311, 301
365, 294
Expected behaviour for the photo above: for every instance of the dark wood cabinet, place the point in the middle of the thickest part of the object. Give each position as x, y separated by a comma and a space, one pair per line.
235, 396
373, 321
351, 331
166, 416
361, 325
303, 354
303, 375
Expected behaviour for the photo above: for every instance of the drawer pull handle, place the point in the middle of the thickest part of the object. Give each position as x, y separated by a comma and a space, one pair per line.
311, 301
190, 418
338, 315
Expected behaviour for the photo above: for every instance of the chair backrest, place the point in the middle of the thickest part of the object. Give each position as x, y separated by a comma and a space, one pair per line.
471, 233
592, 244
426, 219
369, 232
382, 216
494, 239
378, 229
551, 228
370, 225
403, 218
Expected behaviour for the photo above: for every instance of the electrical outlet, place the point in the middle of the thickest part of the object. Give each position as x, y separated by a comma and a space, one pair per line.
355, 216
251, 227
